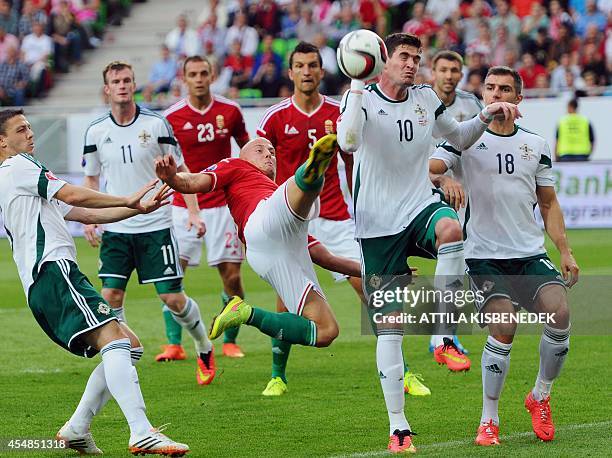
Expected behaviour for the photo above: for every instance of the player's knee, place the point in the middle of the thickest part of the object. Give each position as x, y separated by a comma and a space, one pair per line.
553, 301
449, 230
113, 296
175, 301
326, 334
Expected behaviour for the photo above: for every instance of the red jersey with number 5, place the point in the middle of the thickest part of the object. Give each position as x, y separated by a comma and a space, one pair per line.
205, 138
293, 132
244, 186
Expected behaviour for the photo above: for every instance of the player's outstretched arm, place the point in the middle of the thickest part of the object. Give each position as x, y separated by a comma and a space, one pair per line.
79, 196
111, 215
464, 134
352, 118
186, 183
552, 215
321, 256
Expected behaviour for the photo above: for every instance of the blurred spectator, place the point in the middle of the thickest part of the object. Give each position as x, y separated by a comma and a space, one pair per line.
476, 63
558, 77
307, 28
267, 17
241, 66
266, 80
476, 11
440, 10
539, 47
475, 8
420, 24
8, 17
483, 43
591, 16
289, 21
535, 21
557, 16
163, 71
14, 77
29, 15
37, 48
218, 8
592, 62
530, 70
504, 43
571, 85
86, 13
212, 37
62, 28
244, 34
331, 76
268, 55
511, 59
577, 7
541, 82
115, 11
7, 41
372, 16
183, 40
507, 18
347, 22
566, 43
523, 8
324, 11
473, 83
399, 12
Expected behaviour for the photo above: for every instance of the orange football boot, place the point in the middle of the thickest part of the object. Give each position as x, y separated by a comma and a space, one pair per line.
232, 350
449, 354
541, 417
171, 352
488, 434
205, 373
401, 442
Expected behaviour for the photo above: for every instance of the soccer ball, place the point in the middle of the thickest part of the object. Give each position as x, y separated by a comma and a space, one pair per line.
361, 55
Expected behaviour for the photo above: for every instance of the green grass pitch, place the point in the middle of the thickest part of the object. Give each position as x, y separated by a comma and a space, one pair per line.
334, 406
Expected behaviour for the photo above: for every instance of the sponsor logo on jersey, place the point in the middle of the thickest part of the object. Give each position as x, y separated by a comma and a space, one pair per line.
329, 126
421, 115
291, 130
383, 112
144, 138
168, 271
187, 126
526, 152
50, 176
494, 368
482, 146
104, 309
107, 140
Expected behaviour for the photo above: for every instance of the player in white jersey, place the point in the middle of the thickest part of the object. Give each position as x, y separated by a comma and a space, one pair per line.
506, 173
122, 146
389, 126
34, 205
461, 105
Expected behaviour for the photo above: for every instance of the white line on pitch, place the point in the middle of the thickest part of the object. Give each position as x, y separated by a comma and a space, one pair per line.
456, 443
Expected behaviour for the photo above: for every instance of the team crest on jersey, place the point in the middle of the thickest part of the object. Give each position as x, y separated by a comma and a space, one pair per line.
104, 309
487, 286
421, 115
526, 152
221, 130
375, 281
329, 126
50, 176
144, 138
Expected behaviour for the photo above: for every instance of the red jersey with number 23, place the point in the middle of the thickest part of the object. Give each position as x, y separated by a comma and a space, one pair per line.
205, 138
244, 186
293, 132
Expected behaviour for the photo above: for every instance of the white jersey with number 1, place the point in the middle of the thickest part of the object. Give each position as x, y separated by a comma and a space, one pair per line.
125, 156
391, 182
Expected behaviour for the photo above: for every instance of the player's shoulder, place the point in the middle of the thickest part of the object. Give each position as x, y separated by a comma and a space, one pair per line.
276, 110
468, 96
530, 134
225, 102
98, 123
175, 108
147, 113
330, 101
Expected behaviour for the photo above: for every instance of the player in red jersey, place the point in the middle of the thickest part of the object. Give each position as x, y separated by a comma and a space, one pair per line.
293, 126
273, 222
204, 125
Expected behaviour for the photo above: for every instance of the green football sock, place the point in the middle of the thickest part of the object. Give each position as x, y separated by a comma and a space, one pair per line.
316, 185
174, 331
280, 355
284, 326
230, 334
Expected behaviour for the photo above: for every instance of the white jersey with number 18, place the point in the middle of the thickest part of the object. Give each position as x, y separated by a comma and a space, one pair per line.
125, 156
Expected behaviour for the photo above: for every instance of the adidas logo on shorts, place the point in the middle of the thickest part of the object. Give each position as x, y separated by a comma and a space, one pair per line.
168, 271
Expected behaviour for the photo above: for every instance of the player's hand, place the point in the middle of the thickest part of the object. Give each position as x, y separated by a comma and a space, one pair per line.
160, 199
194, 220
133, 201
165, 167
453, 192
569, 269
504, 111
91, 234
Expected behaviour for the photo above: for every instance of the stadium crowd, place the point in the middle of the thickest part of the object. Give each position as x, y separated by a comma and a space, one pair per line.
40, 38
558, 46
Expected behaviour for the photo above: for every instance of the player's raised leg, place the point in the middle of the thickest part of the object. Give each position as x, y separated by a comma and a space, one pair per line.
554, 346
